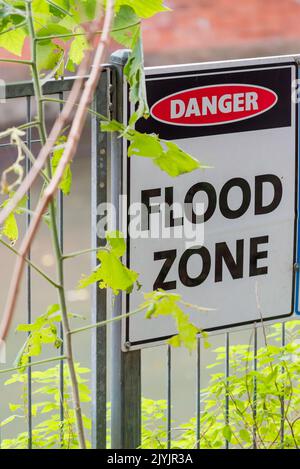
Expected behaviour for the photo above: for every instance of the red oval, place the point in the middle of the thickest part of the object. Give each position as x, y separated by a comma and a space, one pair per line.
214, 105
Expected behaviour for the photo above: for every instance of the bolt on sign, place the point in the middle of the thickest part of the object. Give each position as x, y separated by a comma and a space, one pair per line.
224, 237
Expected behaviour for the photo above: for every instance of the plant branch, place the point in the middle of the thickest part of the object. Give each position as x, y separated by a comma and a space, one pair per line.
28, 125
17, 61
71, 35
90, 110
108, 321
29, 365
71, 255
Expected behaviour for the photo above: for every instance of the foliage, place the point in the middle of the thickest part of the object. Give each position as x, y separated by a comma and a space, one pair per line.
263, 403
166, 155
66, 182
161, 303
42, 331
256, 400
111, 273
128, 13
10, 227
49, 431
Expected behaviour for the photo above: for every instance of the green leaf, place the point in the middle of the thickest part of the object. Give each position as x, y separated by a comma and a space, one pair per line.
227, 433
13, 41
112, 126
90, 8
41, 13
53, 29
58, 8
134, 72
130, 37
78, 46
143, 8
144, 145
10, 228
111, 273
117, 242
66, 181
42, 331
245, 436
14, 407
166, 155
172, 160
49, 55
161, 303
175, 161
174, 341
125, 33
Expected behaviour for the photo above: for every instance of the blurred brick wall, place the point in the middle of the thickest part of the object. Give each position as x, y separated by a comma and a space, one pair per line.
197, 30
222, 29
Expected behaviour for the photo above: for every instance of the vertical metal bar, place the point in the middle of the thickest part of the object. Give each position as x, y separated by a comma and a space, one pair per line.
61, 243
28, 278
227, 351
254, 436
99, 169
282, 404
126, 366
198, 394
169, 397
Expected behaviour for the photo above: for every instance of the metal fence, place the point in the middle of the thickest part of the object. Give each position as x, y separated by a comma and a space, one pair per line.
23, 92
126, 367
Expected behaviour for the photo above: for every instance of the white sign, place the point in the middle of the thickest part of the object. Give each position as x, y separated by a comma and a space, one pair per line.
224, 237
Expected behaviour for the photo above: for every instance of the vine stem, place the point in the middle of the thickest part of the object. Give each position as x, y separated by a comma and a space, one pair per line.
17, 61
71, 255
71, 35
54, 231
29, 365
50, 191
108, 321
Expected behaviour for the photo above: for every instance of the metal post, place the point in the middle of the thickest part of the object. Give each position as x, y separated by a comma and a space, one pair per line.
169, 397
28, 279
126, 366
227, 371
99, 297
255, 388
198, 394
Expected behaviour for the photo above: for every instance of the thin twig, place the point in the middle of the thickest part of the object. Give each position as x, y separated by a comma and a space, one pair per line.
71, 35
30, 364
17, 61
71, 255
108, 321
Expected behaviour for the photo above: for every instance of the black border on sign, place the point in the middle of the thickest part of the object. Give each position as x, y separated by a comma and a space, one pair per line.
128, 176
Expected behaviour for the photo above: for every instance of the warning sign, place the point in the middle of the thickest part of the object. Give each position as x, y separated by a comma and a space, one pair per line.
223, 237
